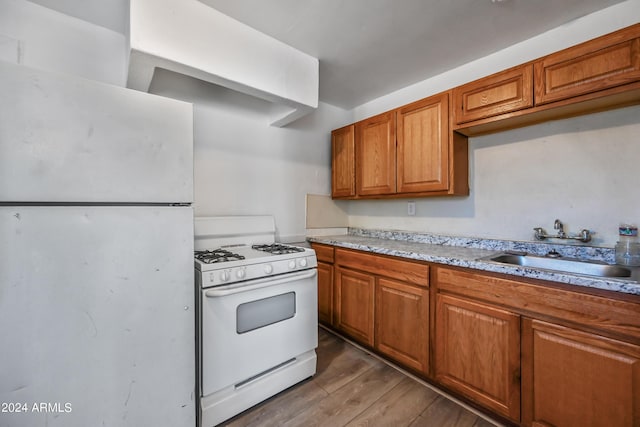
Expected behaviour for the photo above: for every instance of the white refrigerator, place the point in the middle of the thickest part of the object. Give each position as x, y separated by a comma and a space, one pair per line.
96, 254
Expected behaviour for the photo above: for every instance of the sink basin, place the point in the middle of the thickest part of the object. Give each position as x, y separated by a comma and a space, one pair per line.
567, 265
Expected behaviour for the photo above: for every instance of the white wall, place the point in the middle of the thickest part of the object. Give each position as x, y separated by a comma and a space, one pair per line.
42, 38
583, 171
243, 166
261, 169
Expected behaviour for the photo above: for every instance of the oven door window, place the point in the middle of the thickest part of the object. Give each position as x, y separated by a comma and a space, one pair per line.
264, 312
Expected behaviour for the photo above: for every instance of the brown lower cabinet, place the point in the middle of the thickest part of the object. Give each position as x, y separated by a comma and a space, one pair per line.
325, 293
324, 253
536, 353
355, 304
478, 353
402, 327
574, 378
541, 355
383, 303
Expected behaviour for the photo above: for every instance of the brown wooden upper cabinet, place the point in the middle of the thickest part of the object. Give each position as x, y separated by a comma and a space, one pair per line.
376, 155
409, 151
500, 93
606, 62
423, 145
420, 149
343, 177
598, 75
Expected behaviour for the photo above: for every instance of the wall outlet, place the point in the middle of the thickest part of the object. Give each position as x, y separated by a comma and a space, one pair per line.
411, 208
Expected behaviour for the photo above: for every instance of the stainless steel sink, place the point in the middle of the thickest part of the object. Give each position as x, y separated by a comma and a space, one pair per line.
561, 264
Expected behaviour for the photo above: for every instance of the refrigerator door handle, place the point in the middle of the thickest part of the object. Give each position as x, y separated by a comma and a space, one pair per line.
258, 284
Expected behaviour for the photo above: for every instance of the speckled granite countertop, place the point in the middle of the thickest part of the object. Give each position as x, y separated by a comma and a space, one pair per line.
465, 252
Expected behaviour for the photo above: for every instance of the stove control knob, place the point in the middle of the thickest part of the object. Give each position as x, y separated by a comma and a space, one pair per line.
240, 274
292, 264
268, 269
303, 262
224, 276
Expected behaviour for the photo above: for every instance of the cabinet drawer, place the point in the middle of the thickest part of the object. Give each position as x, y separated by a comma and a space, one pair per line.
406, 271
324, 253
504, 92
616, 317
603, 63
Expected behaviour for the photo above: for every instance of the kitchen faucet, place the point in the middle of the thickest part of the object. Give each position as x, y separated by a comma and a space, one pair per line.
558, 225
540, 234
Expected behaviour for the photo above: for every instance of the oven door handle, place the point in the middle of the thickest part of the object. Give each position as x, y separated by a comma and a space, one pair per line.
259, 284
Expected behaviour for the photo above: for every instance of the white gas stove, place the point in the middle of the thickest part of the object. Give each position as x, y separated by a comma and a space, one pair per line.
237, 263
257, 314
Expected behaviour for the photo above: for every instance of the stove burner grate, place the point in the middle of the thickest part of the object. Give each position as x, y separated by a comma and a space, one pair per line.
277, 249
217, 255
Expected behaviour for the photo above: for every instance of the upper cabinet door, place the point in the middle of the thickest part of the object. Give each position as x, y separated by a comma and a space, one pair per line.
605, 62
376, 155
503, 92
423, 145
343, 162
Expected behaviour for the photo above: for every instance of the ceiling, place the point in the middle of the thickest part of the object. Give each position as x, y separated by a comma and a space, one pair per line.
369, 48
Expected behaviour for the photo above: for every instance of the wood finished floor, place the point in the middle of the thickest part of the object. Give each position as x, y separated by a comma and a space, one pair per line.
352, 388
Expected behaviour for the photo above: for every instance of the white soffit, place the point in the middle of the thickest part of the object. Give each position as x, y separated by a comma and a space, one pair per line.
190, 38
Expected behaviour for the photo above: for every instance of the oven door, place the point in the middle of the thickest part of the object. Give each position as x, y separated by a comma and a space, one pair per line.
251, 328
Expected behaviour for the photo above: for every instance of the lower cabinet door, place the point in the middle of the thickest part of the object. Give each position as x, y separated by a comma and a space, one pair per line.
355, 304
573, 378
325, 293
402, 320
478, 353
